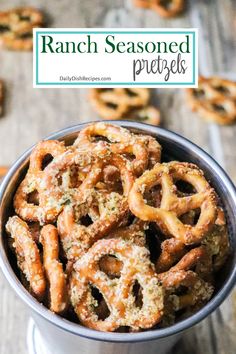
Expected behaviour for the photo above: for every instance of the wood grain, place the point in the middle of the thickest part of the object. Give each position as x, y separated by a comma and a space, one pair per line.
30, 114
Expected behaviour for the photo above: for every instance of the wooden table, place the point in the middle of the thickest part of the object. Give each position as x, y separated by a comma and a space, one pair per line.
30, 114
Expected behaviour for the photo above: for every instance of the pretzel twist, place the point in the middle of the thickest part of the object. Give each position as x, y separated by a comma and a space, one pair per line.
17, 27
31, 183
54, 269
214, 99
115, 103
28, 257
116, 292
164, 8
172, 207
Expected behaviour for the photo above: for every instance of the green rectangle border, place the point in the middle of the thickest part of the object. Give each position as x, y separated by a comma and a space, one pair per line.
116, 83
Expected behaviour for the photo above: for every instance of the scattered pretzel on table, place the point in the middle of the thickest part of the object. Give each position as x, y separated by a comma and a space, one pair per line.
16, 27
214, 99
164, 8
104, 227
124, 103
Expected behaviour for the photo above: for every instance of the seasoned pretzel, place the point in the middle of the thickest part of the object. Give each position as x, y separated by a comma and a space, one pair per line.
31, 184
198, 291
116, 292
54, 269
171, 251
1, 98
112, 208
172, 207
217, 242
121, 142
165, 8
135, 233
28, 257
114, 103
214, 99
16, 27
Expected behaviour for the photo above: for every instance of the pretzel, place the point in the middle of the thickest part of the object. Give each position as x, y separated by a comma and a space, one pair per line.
217, 242
28, 257
54, 269
214, 99
165, 8
112, 208
148, 115
198, 291
121, 141
115, 103
172, 207
116, 292
135, 233
16, 27
31, 183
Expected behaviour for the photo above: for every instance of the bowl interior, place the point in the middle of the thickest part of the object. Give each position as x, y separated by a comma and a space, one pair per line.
174, 148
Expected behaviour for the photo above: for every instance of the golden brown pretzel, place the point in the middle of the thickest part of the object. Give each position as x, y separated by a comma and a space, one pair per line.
16, 27
54, 269
149, 115
121, 141
135, 233
115, 103
112, 208
165, 8
116, 292
31, 183
172, 207
214, 99
28, 257
198, 291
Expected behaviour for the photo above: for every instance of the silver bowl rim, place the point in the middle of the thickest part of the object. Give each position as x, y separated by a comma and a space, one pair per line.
80, 330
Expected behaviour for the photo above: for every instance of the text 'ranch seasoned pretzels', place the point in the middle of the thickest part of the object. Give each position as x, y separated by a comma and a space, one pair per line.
214, 99
107, 235
125, 103
16, 27
164, 8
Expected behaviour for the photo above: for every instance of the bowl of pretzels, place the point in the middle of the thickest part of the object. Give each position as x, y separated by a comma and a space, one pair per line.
120, 233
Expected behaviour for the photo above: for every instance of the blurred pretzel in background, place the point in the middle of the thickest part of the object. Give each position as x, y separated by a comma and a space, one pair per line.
214, 100
16, 27
125, 103
164, 8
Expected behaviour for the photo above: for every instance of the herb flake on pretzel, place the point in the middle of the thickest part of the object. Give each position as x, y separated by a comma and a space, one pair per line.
28, 257
117, 292
167, 215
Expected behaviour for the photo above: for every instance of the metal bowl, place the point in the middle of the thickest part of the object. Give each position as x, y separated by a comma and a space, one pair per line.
174, 147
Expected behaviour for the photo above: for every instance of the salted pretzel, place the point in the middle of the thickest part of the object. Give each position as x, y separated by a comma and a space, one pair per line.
1, 98
116, 292
172, 207
121, 141
28, 257
135, 233
198, 291
115, 103
16, 27
214, 99
54, 269
165, 8
24, 207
